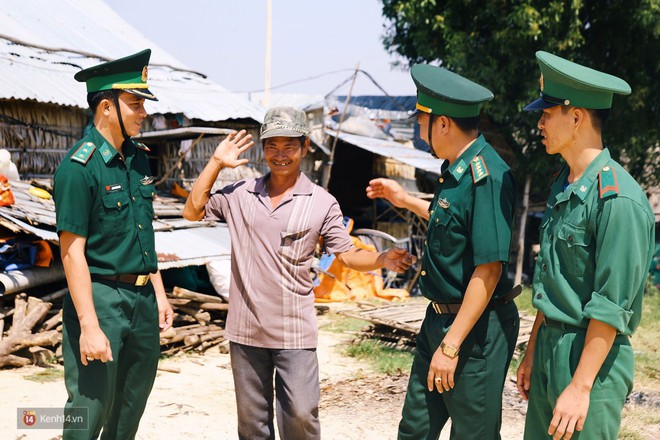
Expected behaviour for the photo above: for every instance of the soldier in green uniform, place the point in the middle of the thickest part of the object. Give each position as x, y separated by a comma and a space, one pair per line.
469, 332
104, 193
597, 238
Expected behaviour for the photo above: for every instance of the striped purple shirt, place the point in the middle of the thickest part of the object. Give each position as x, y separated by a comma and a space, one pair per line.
271, 302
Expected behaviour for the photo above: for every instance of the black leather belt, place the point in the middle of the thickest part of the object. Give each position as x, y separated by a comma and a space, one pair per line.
453, 308
128, 278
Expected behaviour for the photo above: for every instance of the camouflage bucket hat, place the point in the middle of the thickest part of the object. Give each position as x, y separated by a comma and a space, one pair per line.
284, 121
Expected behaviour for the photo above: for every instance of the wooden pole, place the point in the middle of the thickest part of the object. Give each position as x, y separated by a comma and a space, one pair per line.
328, 166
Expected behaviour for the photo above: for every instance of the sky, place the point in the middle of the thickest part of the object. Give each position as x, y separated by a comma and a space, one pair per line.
226, 40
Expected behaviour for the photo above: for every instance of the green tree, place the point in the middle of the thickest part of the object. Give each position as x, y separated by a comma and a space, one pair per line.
493, 43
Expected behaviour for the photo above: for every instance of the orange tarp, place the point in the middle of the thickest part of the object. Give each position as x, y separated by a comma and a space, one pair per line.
346, 284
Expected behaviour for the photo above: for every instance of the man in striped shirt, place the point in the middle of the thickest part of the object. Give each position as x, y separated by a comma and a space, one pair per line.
275, 223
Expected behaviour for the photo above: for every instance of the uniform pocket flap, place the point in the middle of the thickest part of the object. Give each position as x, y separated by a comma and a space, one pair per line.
148, 191
574, 235
116, 200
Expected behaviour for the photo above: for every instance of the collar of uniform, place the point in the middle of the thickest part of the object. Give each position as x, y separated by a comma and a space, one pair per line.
462, 163
106, 150
303, 186
581, 187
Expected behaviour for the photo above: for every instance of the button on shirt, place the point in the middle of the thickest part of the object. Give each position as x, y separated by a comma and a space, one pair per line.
107, 202
594, 251
271, 298
469, 225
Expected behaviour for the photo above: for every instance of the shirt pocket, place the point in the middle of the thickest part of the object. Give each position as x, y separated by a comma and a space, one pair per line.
293, 246
148, 193
115, 210
573, 248
443, 239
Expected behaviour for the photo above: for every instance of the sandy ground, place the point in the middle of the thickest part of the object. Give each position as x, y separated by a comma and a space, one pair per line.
198, 402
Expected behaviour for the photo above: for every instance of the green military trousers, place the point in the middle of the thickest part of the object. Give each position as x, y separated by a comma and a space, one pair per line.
475, 403
556, 356
115, 393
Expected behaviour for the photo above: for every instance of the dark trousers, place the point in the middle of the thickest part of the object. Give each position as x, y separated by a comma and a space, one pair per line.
296, 389
475, 403
114, 393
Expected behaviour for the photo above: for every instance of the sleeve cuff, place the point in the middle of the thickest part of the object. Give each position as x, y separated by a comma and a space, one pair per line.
72, 227
604, 310
491, 258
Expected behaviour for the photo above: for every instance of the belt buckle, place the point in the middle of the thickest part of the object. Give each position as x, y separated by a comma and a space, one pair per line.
142, 280
436, 307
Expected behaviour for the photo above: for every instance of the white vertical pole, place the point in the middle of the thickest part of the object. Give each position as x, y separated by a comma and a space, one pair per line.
269, 31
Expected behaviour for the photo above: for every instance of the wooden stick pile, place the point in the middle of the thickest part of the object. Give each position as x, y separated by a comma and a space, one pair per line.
198, 323
31, 331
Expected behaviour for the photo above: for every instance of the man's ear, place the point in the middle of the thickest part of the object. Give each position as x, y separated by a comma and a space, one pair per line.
105, 106
443, 122
305, 147
579, 116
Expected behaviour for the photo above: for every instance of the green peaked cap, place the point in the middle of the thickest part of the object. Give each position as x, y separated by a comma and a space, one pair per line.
442, 92
564, 82
128, 74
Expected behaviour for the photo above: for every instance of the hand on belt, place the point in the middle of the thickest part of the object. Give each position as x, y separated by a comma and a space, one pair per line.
129, 278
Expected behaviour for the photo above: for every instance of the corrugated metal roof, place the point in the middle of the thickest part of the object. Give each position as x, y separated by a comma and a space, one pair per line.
395, 150
179, 242
57, 32
192, 247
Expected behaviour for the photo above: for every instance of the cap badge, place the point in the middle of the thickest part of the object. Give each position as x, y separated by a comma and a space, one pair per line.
145, 73
541, 82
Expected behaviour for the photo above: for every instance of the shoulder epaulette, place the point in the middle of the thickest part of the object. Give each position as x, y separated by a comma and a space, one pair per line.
479, 169
84, 153
141, 146
608, 185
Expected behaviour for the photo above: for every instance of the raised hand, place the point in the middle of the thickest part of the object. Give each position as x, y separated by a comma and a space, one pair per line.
228, 151
388, 189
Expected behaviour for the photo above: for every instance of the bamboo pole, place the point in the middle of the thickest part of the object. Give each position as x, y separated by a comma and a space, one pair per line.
327, 169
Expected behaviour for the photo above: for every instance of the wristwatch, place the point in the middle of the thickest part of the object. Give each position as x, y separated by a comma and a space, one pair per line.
448, 350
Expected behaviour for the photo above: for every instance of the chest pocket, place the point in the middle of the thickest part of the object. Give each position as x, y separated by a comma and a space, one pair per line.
115, 210
293, 246
146, 205
574, 249
443, 237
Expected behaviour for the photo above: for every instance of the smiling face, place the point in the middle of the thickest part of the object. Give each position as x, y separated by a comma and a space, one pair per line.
556, 125
283, 155
132, 112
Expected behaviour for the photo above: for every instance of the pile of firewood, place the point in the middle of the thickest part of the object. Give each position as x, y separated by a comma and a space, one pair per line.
198, 322
34, 328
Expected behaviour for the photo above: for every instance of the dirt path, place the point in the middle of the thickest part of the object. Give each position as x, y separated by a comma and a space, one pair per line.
198, 402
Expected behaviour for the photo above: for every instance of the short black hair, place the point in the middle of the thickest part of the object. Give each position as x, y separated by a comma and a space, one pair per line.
467, 124
95, 98
598, 116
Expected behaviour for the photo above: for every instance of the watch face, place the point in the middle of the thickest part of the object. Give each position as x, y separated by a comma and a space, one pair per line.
449, 350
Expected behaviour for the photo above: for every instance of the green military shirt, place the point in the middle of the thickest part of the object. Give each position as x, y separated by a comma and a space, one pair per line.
108, 200
470, 222
596, 246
